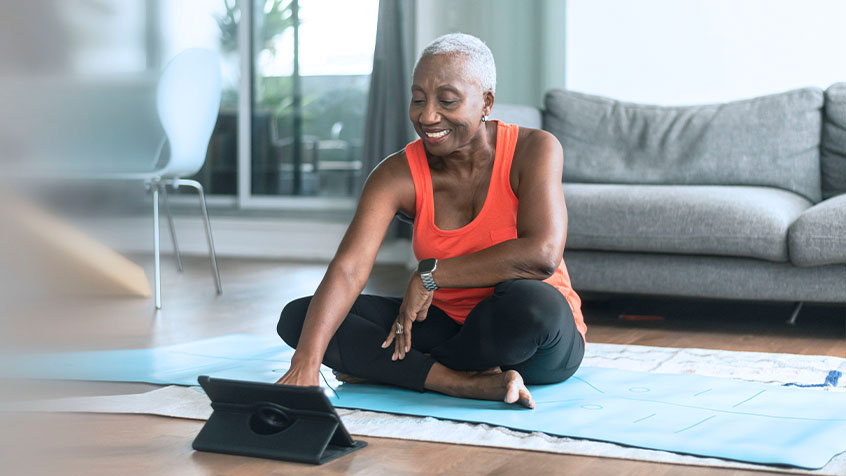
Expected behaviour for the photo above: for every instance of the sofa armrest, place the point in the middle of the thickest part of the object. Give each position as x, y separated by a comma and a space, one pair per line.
818, 236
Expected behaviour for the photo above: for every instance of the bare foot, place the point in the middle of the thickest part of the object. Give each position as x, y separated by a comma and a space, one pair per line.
347, 378
516, 391
490, 371
505, 386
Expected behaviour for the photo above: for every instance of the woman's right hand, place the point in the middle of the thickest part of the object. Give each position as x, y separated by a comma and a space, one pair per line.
301, 376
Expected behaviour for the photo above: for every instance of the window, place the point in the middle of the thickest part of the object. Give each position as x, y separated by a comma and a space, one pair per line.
214, 25
295, 82
311, 71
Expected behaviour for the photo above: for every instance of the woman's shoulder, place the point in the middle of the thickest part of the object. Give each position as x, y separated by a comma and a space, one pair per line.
394, 166
393, 173
528, 137
532, 143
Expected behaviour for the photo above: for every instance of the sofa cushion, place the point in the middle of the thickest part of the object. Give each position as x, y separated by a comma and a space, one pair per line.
749, 222
833, 148
818, 236
769, 141
709, 277
524, 116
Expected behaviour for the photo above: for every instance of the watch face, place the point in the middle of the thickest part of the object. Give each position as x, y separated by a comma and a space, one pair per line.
426, 265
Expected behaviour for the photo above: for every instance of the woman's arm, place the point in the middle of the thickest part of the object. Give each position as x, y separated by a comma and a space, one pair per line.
349, 269
541, 224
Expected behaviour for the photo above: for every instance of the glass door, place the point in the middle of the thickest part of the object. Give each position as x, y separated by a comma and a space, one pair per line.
311, 64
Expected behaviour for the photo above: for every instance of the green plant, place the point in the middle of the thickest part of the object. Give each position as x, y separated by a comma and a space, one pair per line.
277, 17
271, 93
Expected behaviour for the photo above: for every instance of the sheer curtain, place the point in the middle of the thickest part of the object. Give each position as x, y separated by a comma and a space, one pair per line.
387, 128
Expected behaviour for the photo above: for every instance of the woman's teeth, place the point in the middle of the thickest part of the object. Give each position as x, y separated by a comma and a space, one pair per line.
435, 135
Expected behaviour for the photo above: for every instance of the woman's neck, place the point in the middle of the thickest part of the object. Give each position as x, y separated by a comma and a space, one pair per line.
478, 153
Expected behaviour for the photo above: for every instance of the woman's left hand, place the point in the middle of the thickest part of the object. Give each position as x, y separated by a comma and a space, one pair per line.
415, 306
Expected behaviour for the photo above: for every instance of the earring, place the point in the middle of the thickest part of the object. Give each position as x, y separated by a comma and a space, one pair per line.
485, 118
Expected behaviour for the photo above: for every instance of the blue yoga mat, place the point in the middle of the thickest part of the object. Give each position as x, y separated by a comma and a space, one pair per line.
690, 414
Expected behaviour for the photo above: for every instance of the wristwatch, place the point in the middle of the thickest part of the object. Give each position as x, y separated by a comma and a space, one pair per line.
425, 269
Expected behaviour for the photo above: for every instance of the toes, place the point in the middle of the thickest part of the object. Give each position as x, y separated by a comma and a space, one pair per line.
526, 398
513, 386
512, 392
516, 391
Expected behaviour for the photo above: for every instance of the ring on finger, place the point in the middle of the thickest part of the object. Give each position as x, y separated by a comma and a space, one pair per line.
399, 328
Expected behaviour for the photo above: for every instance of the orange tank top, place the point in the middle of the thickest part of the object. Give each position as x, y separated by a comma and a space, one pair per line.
495, 223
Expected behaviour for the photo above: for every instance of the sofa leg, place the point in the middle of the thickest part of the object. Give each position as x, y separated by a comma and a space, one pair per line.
796, 309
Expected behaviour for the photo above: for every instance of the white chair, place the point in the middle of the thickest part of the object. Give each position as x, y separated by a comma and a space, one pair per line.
188, 102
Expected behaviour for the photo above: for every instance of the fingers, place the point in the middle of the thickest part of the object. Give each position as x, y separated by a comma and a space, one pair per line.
402, 342
411, 310
391, 335
424, 310
398, 344
299, 378
286, 378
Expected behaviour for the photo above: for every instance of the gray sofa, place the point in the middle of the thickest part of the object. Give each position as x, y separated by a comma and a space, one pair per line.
741, 200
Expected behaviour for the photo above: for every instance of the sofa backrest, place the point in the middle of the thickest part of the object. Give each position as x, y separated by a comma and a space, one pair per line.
833, 148
768, 141
524, 116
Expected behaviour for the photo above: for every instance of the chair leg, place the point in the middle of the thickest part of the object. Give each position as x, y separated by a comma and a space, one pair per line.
171, 227
199, 187
796, 309
156, 258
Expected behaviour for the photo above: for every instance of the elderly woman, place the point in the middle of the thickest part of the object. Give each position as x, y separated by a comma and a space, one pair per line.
490, 308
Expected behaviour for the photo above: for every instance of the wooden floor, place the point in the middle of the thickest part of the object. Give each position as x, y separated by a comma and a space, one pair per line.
254, 293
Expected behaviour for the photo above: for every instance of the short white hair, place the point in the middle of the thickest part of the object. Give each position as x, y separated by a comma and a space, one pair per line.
479, 59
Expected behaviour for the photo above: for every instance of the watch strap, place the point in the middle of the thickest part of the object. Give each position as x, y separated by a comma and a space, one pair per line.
425, 269
428, 281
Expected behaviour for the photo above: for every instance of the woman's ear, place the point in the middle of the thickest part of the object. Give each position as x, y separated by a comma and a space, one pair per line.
488, 98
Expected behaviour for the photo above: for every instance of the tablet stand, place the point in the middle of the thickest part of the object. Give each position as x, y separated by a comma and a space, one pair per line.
268, 429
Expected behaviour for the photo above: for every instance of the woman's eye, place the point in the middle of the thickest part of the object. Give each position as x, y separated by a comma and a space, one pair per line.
448, 102
417, 101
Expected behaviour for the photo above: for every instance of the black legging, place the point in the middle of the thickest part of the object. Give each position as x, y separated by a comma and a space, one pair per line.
526, 325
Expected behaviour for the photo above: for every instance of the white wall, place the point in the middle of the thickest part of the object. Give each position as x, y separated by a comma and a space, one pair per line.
526, 38
238, 237
700, 51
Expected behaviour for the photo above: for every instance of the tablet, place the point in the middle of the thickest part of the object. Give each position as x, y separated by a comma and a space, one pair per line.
274, 421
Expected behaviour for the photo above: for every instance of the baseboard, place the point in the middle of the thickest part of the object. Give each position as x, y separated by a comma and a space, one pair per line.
272, 238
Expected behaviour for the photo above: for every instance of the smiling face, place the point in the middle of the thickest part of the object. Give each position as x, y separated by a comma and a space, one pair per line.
447, 105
